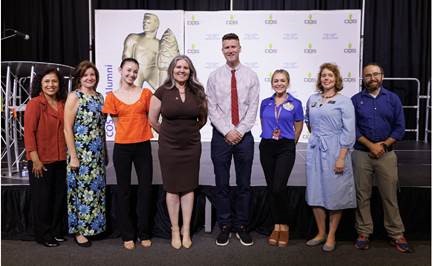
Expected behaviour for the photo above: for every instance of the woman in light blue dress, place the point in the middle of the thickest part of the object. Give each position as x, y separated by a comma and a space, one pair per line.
330, 183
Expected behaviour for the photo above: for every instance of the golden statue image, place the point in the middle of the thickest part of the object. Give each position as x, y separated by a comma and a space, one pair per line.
152, 54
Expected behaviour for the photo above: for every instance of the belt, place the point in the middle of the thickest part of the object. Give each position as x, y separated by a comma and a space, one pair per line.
387, 148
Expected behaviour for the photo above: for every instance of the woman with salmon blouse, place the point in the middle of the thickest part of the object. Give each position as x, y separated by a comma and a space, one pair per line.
46, 154
128, 107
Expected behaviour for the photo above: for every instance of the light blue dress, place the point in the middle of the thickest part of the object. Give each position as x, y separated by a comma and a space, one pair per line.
333, 126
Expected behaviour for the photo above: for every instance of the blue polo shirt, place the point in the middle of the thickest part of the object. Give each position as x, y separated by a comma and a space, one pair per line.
378, 118
290, 111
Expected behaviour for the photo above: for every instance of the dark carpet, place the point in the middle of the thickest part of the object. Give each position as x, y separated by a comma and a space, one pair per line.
205, 252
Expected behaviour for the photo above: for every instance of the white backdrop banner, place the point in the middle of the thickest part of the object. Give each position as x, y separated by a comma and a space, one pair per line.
298, 41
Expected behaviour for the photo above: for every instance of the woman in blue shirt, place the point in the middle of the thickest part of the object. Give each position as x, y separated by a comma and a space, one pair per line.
282, 122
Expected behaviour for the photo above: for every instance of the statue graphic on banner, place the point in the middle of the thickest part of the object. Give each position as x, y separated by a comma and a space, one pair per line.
153, 55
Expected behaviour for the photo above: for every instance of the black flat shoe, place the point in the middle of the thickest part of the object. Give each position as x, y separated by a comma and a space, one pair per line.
59, 239
84, 244
49, 243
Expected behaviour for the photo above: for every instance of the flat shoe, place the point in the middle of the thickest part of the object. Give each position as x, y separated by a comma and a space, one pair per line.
328, 248
273, 238
59, 239
49, 243
315, 242
129, 245
283, 238
146, 243
83, 244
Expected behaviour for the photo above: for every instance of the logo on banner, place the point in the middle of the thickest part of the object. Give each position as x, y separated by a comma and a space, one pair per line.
193, 22
310, 20
290, 65
231, 20
349, 49
193, 50
309, 78
349, 78
212, 37
270, 49
290, 36
270, 20
267, 77
350, 20
309, 49
330, 36
251, 36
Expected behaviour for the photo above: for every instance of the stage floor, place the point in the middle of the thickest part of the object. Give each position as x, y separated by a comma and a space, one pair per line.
414, 167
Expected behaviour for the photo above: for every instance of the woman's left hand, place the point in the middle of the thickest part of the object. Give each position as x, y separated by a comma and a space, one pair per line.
339, 166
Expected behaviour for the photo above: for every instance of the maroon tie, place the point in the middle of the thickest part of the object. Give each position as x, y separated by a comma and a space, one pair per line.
234, 100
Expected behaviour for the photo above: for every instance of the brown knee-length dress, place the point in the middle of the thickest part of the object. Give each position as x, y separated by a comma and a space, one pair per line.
179, 140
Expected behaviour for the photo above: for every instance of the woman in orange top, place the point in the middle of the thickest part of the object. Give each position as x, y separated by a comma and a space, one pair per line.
46, 154
128, 107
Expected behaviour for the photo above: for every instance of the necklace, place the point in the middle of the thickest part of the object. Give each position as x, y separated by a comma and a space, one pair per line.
328, 97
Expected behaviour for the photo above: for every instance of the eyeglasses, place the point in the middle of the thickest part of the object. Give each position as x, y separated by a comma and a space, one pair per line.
375, 75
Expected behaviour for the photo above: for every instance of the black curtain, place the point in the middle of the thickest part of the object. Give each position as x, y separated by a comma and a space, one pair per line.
397, 33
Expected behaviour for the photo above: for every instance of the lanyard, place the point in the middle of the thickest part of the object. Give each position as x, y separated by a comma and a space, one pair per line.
277, 111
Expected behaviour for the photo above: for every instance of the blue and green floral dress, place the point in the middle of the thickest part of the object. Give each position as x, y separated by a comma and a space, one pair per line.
86, 186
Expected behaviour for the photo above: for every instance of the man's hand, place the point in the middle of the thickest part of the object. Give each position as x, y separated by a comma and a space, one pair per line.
233, 137
376, 150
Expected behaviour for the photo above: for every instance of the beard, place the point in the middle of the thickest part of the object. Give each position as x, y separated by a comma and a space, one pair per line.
373, 86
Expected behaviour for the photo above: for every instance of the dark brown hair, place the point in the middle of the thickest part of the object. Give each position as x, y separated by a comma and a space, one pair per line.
230, 36
374, 64
128, 59
80, 71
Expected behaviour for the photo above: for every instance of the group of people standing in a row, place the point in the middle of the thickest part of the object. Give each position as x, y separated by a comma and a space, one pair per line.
371, 122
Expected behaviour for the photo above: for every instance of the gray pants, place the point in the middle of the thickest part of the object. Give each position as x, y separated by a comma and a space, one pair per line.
384, 170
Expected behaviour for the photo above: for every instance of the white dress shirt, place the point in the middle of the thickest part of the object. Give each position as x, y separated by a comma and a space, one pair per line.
219, 98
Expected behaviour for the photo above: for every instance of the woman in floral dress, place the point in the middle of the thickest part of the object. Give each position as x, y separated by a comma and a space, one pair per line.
85, 139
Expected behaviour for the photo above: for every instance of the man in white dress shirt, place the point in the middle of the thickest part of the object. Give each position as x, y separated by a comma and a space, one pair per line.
233, 98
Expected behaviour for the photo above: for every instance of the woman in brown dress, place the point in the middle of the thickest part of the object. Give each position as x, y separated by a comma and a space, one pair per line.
182, 103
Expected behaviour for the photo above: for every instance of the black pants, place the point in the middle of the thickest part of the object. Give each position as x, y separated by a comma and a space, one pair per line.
140, 155
48, 200
277, 160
